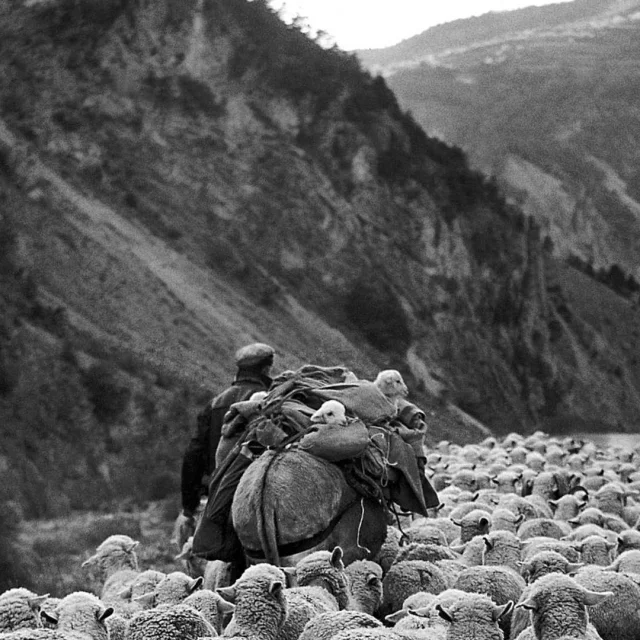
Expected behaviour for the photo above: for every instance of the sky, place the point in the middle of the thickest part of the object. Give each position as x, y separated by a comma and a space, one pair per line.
369, 24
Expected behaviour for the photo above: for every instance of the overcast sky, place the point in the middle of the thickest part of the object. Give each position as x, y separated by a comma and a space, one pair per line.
365, 24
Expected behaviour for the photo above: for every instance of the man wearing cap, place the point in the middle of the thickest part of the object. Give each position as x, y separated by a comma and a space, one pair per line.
254, 363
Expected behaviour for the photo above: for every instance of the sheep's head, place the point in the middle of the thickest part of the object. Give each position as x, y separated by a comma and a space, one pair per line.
331, 412
391, 384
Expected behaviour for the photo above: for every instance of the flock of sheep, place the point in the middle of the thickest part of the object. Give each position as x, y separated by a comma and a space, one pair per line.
536, 538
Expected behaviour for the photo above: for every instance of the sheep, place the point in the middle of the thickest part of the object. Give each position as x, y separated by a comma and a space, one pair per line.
518, 505
169, 622
564, 547
477, 522
389, 549
130, 599
501, 548
172, 589
505, 520
558, 608
211, 605
474, 616
117, 627
20, 609
540, 527
78, 616
596, 550
426, 552
618, 622
402, 619
408, 577
426, 534
365, 586
628, 540
326, 625
332, 413
116, 563
545, 562
325, 569
626, 562
507, 481
567, 507
500, 583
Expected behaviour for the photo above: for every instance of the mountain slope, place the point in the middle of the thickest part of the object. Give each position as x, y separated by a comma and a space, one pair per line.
180, 178
545, 100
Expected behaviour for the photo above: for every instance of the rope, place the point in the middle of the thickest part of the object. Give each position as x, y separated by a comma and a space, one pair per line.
360, 528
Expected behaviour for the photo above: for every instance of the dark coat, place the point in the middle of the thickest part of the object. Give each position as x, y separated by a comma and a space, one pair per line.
200, 457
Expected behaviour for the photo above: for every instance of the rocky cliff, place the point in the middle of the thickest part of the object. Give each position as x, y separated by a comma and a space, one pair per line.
179, 178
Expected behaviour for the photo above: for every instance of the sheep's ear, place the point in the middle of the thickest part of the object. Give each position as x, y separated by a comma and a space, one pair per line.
494, 479
582, 506
196, 583
276, 587
488, 543
553, 503
225, 607
396, 616
459, 548
126, 593
146, 599
456, 522
443, 613
574, 567
105, 614
529, 604
185, 554
421, 612
227, 593
51, 618
92, 560
290, 575
37, 601
519, 520
575, 521
484, 522
372, 579
592, 598
336, 559
611, 545
475, 496
498, 612
133, 545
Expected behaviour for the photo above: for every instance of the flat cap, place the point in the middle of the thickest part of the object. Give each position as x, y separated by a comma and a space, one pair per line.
254, 354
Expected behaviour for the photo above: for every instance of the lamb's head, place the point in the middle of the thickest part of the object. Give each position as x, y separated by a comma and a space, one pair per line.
331, 412
391, 384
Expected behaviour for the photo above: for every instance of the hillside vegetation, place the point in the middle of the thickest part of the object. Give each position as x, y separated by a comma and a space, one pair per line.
180, 178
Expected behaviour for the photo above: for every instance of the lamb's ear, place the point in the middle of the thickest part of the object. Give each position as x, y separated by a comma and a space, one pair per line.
105, 614
227, 593
276, 587
443, 613
336, 558
498, 612
592, 598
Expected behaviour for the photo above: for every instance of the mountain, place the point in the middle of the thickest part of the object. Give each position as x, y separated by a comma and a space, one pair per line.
545, 100
177, 179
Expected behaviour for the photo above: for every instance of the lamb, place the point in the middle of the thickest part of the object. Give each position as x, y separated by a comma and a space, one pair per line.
117, 565
391, 384
169, 622
331, 412
558, 608
365, 586
78, 616
20, 609
619, 622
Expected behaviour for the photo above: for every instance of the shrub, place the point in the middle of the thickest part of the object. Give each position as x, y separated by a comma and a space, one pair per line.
377, 313
109, 396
